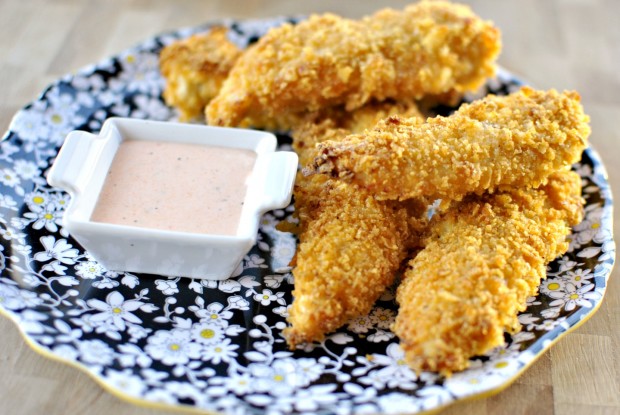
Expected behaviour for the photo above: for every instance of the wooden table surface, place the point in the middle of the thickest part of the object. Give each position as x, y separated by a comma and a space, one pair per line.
565, 44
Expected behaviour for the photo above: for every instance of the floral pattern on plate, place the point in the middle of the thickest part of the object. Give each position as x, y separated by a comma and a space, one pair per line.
215, 345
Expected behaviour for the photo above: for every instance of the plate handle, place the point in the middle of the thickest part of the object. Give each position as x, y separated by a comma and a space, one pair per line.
78, 154
279, 180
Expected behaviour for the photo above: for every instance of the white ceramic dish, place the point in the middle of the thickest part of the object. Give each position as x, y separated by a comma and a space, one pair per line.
83, 163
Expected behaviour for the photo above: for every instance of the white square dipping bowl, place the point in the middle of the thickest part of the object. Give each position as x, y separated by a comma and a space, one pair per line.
81, 168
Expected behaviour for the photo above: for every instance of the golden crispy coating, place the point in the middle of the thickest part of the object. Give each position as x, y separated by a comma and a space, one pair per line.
348, 255
195, 69
516, 140
336, 123
325, 61
484, 257
308, 135
351, 245
309, 192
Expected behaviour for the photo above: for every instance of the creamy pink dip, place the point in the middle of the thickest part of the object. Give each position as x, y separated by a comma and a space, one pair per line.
176, 186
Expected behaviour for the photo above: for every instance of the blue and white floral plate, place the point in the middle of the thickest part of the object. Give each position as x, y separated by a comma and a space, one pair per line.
217, 346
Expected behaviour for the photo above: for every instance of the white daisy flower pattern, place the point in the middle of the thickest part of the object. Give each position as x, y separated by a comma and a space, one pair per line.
8, 202
115, 310
550, 285
95, 352
280, 378
360, 324
174, 347
382, 317
215, 313
47, 217
59, 250
9, 178
207, 333
28, 125
578, 277
239, 384
168, 287
224, 351
548, 325
571, 297
14, 298
89, 269
26, 169
12, 235
266, 297
36, 201
395, 371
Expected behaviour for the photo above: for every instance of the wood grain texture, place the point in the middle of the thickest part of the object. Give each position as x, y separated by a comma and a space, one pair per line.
565, 44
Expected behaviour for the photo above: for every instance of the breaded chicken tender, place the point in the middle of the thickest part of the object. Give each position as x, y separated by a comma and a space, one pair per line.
348, 255
484, 257
351, 245
195, 69
429, 48
496, 142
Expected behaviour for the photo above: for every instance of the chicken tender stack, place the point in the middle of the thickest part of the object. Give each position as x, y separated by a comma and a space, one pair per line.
484, 257
350, 91
327, 60
500, 166
496, 142
195, 69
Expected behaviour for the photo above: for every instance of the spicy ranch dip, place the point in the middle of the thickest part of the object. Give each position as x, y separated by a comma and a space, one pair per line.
176, 187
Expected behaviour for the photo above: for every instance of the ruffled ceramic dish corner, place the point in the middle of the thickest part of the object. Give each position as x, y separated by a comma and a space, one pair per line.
208, 346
